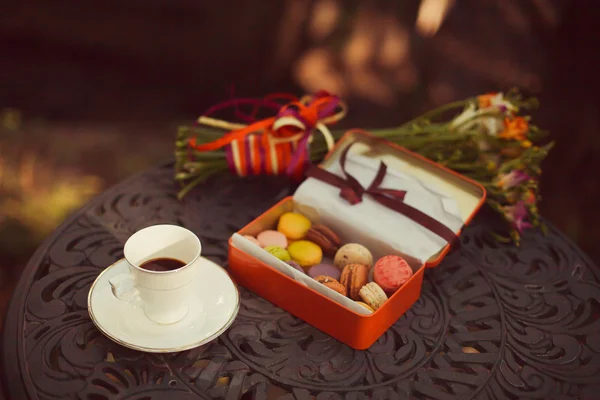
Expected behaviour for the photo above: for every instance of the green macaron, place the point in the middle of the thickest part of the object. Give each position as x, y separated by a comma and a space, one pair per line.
279, 252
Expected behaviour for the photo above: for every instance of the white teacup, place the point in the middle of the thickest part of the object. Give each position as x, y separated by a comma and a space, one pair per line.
163, 295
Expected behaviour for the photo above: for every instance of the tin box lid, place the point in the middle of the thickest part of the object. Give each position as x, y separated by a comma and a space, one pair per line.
440, 193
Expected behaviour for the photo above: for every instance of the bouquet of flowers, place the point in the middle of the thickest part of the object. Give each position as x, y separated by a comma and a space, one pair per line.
488, 138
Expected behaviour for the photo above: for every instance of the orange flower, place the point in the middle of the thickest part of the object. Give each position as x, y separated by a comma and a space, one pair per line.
529, 197
526, 144
485, 100
515, 129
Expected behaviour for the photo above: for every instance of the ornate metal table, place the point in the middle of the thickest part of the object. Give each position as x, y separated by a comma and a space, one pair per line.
493, 321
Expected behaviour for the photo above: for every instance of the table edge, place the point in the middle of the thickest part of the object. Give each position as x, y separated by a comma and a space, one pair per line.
13, 320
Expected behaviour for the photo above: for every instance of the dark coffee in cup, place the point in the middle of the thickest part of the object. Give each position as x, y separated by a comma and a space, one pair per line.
162, 264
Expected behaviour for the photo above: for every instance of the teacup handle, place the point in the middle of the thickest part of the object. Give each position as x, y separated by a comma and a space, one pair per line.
123, 288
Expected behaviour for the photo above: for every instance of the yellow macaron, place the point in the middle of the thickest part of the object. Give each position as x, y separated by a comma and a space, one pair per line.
373, 295
305, 253
365, 305
293, 225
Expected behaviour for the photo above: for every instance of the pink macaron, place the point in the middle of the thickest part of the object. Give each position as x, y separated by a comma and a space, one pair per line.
391, 272
253, 240
272, 238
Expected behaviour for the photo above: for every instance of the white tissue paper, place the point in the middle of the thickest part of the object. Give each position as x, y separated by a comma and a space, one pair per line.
379, 228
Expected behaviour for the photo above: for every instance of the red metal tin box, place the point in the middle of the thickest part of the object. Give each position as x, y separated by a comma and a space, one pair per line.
310, 303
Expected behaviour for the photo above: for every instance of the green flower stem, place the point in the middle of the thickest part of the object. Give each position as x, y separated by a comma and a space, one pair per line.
417, 141
200, 155
191, 169
464, 167
203, 174
430, 115
415, 130
476, 115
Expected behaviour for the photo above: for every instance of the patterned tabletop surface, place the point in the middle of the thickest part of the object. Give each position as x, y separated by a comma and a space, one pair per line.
493, 321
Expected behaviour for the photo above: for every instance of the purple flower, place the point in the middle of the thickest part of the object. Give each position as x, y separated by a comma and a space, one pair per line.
517, 214
512, 179
522, 225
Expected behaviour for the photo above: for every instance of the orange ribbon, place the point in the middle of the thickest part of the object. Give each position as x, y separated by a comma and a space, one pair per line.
308, 115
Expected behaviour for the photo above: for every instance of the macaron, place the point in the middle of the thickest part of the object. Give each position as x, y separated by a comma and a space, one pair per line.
354, 277
278, 252
324, 269
305, 253
373, 295
253, 240
391, 272
331, 284
365, 305
296, 266
353, 253
293, 225
327, 239
272, 238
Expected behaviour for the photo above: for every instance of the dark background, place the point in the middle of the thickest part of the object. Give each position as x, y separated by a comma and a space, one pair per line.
92, 91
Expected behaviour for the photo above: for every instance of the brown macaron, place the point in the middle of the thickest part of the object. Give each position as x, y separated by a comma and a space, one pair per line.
354, 277
331, 284
327, 239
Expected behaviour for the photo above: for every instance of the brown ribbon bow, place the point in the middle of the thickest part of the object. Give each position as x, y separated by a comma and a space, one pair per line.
352, 191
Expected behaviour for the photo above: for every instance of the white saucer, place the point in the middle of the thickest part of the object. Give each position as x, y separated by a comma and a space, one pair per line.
213, 309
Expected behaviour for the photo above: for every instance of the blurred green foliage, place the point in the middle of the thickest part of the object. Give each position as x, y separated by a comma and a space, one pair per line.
35, 194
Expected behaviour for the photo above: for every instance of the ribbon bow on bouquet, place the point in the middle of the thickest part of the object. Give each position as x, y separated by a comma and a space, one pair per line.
278, 144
